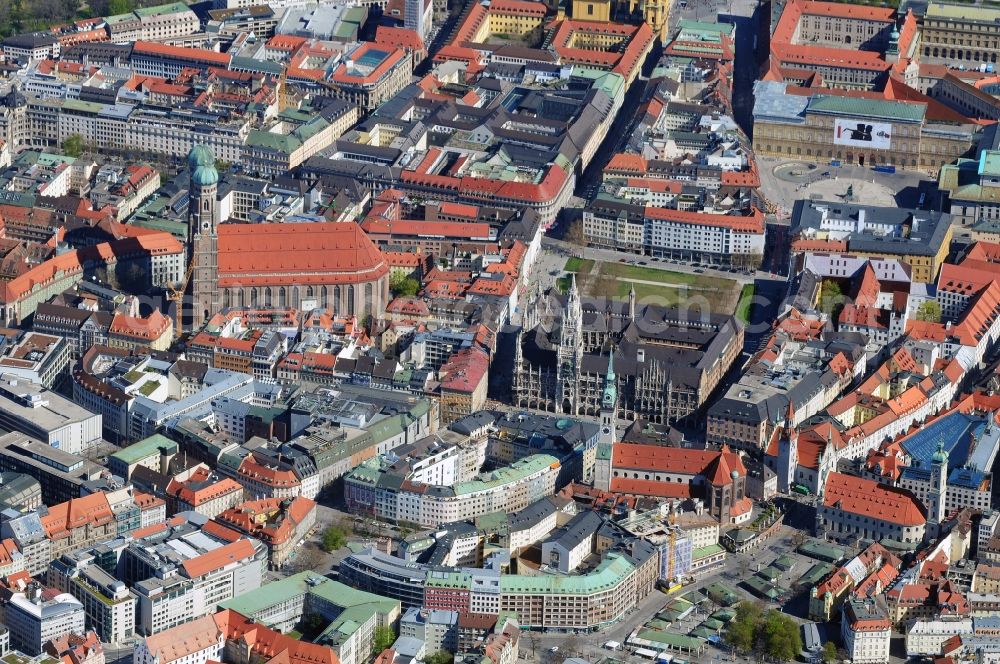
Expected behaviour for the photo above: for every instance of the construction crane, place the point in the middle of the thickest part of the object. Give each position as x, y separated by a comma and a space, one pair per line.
176, 295
672, 549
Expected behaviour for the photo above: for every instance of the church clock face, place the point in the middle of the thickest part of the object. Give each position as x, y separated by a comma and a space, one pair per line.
606, 430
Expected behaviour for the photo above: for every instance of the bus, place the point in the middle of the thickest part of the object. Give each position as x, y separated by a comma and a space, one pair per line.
801, 488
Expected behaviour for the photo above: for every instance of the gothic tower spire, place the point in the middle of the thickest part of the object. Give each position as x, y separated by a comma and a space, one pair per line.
569, 356
203, 243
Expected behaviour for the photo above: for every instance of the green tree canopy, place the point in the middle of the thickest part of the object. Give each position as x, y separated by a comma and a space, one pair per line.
440, 657
780, 636
334, 538
384, 637
73, 146
742, 631
403, 286
829, 652
116, 7
772, 634
929, 311
831, 296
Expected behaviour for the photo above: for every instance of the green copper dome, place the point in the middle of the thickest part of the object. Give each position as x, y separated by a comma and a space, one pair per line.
940, 456
204, 176
200, 155
201, 161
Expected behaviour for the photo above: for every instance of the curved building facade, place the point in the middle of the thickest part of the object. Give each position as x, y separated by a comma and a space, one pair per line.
588, 601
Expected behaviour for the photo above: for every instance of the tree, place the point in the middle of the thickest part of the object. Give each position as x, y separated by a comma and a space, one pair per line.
402, 285
333, 538
440, 657
830, 296
742, 631
384, 637
306, 557
772, 634
311, 625
780, 636
929, 311
574, 232
116, 7
829, 652
74, 146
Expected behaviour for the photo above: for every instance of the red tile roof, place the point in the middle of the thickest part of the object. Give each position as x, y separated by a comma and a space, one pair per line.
464, 371
651, 488
270, 520
627, 162
297, 253
184, 640
77, 513
270, 646
656, 458
426, 229
754, 223
72, 261
488, 190
186, 492
285, 42
216, 559
868, 498
274, 477
147, 329
784, 51
347, 75
458, 210
398, 38
984, 251
197, 55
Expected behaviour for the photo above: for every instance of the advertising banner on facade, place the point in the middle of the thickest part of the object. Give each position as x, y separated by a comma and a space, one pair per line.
856, 134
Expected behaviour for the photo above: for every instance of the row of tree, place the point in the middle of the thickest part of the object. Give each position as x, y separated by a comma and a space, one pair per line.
17, 16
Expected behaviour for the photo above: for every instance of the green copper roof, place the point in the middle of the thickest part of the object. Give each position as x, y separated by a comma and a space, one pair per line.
283, 143
160, 10
200, 155
706, 26
257, 601
612, 570
201, 161
204, 176
145, 448
508, 474
879, 109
